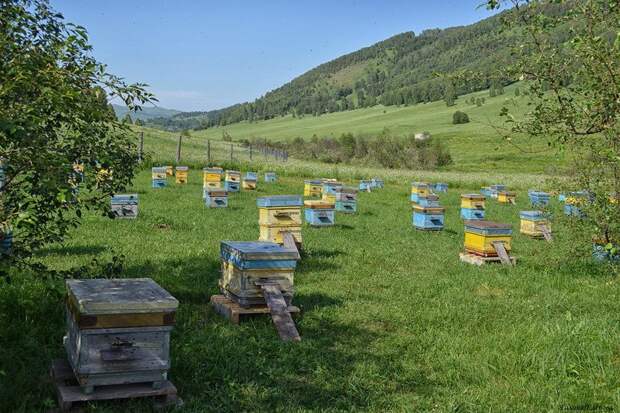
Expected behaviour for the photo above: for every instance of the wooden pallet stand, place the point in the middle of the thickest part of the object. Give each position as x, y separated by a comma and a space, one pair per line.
479, 260
235, 313
70, 392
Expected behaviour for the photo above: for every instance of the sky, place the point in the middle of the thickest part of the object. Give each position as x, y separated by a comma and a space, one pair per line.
204, 55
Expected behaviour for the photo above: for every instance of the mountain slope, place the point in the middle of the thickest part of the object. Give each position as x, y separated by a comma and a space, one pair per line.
147, 112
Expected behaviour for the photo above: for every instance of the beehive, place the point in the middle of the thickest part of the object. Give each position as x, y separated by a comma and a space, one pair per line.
212, 177
365, 185
319, 213
245, 265
506, 197
249, 181
158, 175
472, 206
574, 202
313, 187
118, 331
539, 198
6, 242
377, 183
169, 170
428, 218
270, 177
419, 190
125, 206
278, 214
232, 181
480, 236
440, 187
331, 188
181, 173
216, 198
430, 200
534, 223
346, 200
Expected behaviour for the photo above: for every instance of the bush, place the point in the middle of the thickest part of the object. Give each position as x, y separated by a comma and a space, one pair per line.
460, 117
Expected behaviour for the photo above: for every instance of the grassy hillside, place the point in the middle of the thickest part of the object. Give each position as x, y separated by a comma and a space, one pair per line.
395, 325
147, 112
476, 146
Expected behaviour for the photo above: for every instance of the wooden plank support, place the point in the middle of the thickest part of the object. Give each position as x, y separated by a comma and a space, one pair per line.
546, 233
479, 261
502, 253
279, 312
289, 242
234, 312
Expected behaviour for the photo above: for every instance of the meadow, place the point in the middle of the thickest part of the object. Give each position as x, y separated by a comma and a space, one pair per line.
391, 321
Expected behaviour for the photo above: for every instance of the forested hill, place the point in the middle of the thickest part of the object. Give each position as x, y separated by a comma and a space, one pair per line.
400, 70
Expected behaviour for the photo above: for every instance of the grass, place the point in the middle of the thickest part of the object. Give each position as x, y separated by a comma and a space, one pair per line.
474, 146
392, 321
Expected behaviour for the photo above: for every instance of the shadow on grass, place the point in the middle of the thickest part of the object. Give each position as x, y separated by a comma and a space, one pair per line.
72, 250
344, 226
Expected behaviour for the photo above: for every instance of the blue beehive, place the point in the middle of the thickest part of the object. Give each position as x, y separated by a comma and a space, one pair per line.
331, 188
349, 207
377, 183
539, 198
428, 218
472, 214
365, 186
275, 201
231, 186
440, 187
270, 177
258, 255
125, 206
428, 201
158, 174
319, 213
6, 242
216, 198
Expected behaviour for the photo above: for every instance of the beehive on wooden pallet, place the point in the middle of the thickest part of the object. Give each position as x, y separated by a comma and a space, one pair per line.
249, 181
419, 190
125, 206
211, 178
488, 239
118, 331
535, 224
158, 176
313, 187
539, 198
181, 173
169, 170
472, 206
232, 181
346, 200
440, 187
279, 214
216, 198
365, 185
428, 218
270, 177
506, 197
319, 213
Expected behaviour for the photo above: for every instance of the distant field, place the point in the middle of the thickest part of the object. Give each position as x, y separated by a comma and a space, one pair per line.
476, 146
392, 321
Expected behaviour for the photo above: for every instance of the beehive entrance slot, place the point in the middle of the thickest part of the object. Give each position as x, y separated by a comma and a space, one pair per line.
436, 221
279, 311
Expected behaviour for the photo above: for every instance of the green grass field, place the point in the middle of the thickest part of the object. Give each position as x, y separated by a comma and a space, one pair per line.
392, 321
476, 146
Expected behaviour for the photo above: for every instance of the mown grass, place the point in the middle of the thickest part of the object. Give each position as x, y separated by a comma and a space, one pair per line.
392, 321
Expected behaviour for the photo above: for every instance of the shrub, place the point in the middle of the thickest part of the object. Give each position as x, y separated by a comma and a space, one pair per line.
460, 117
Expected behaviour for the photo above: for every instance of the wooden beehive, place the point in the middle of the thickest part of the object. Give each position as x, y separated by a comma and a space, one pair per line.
212, 177
472, 206
534, 224
270, 177
181, 174
216, 198
365, 185
118, 331
169, 170
246, 265
428, 201
377, 183
233, 176
158, 175
278, 214
249, 181
574, 203
419, 190
125, 206
480, 237
440, 187
313, 187
506, 197
319, 213
346, 200
428, 218
329, 190
539, 198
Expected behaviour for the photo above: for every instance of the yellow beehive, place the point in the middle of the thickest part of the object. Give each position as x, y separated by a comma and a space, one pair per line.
282, 217
319, 204
211, 175
506, 197
181, 174
472, 201
420, 188
533, 223
233, 176
250, 185
480, 236
169, 170
278, 214
313, 188
274, 233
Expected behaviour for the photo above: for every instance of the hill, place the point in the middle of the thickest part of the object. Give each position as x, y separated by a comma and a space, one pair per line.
147, 112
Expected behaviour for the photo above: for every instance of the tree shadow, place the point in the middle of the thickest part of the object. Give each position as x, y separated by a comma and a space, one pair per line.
344, 226
71, 250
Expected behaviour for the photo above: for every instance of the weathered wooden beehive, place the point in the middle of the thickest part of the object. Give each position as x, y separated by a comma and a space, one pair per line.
365, 185
539, 198
248, 265
158, 176
216, 198
428, 218
430, 201
535, 224
472, 206
329, 190
232, 181
440, 187
278, 214
481, 237
313, 187
346, 200
419, 190
181, 174
377, 183
169, 170
118, 331
211, 178
506, 197
319, 213
270, 177
249, 181
125, 206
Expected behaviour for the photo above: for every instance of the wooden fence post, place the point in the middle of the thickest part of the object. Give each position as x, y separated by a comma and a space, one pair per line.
250, 151
231, 152
179, 149
141, 147
208, 150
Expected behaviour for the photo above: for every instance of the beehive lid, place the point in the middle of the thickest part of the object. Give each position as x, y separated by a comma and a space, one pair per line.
476, 197
531, 215
539, 194
507, 193
487, 227
332, 183
231, 172
213, 170
419, 184
428, 210
119, 296
125, 198
279, 201
256, 251
498, 187
270, 173
251, 176
318, 204
159, 169
182, 168
313, 182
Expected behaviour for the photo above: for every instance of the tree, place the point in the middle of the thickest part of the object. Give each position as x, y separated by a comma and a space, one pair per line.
54, 122
574, 92
127, 119
449, 94
460, 117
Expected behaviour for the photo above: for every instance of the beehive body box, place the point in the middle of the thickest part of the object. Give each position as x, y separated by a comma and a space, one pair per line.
480, 236
273, 233
270, 177
313, 188
331, 188
216, 198
346, 194
181, 174
231, 186
472, 201
233, 176
538, 198
211, 177
377, 183
158, 173
428, 218
441, 187
532, 223
249, 184
472, 214
506, 197
365, 185
118, 331
125, 206
429, 201
348, 207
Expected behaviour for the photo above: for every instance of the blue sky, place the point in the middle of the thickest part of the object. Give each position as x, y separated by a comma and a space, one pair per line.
202, 55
